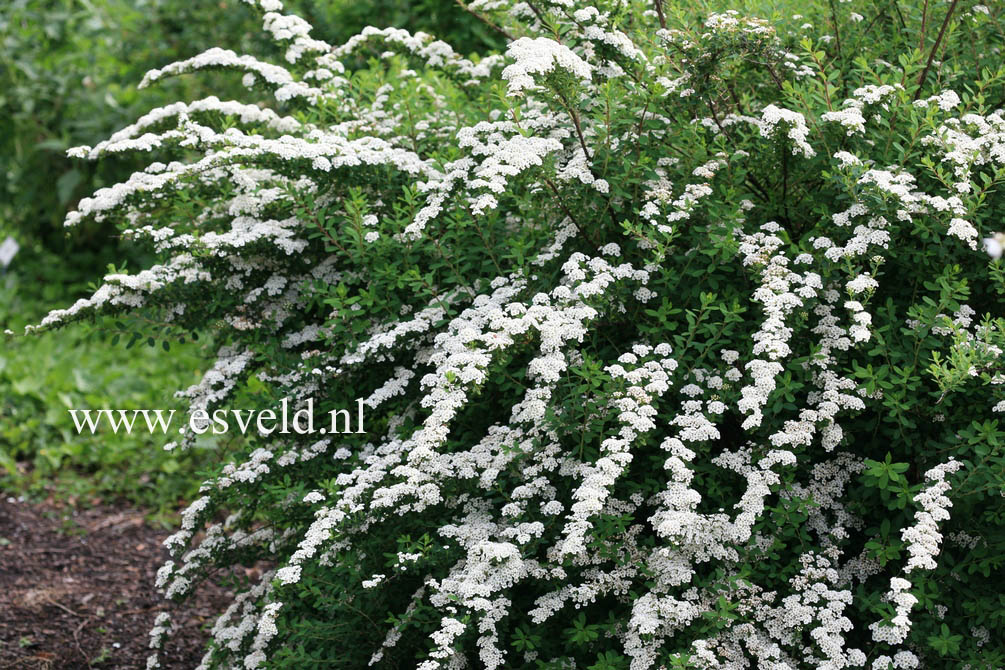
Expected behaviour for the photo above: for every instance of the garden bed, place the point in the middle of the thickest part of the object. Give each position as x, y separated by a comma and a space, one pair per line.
76, 590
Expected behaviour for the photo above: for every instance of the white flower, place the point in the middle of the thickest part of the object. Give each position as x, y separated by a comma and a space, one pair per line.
847, 159
536, 56
862, 283
994, 245
289, 575
964, 230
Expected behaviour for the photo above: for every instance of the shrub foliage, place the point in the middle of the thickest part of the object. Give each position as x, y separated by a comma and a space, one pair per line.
673, 329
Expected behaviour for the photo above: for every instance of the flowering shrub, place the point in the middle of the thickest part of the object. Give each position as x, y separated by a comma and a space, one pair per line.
675, 333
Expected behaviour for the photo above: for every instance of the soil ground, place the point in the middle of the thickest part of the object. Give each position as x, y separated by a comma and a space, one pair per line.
76, 591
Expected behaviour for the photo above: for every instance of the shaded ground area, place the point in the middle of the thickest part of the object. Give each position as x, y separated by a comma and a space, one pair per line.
76, 591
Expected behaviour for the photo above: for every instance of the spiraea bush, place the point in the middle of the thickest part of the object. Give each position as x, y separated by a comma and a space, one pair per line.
677, 333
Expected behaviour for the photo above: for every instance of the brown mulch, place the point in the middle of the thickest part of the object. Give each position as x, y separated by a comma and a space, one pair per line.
76, 591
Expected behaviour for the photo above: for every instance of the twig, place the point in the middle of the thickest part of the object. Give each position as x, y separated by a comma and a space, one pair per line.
774, 76
735, 97
46, 550
483, 19
722, 129
924, 27
540, 17
659, 14
935, 47
62, 607
76, 641
575, 122
558, 199
837, 29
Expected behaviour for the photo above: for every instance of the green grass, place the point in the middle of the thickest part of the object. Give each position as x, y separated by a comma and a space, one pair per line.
43, 376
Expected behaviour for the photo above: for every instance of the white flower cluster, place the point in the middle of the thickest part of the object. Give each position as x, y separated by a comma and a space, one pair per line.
923, 540
635, 411
781, 292
540, 56
773, 118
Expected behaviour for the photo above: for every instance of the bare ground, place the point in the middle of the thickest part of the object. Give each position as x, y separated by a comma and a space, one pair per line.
76, 591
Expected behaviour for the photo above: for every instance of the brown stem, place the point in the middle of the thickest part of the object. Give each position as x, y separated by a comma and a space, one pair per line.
935, 47
540, 17
735, 98
558, 199
774, 76
837, 29
900, 14
575, 122
481, 17
328, 235
722, 129
659, 14
488, 247
924, 27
